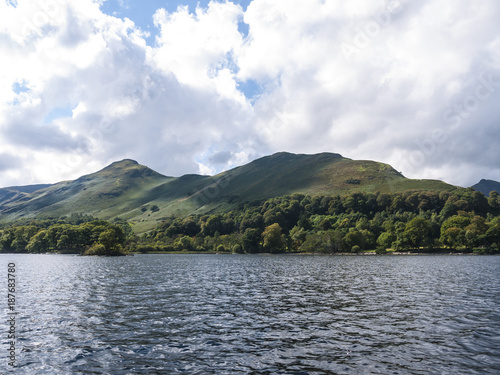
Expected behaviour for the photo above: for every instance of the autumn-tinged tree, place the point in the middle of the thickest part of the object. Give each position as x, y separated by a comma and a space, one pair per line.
272, 239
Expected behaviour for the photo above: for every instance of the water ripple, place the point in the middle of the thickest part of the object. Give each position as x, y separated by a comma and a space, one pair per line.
194, 314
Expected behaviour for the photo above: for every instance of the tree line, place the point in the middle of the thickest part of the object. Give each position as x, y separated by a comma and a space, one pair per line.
463, 220
80, 234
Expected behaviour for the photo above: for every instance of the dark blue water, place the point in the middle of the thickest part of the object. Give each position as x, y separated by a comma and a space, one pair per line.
237, 314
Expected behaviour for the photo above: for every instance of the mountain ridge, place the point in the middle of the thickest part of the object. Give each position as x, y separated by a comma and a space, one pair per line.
128, 190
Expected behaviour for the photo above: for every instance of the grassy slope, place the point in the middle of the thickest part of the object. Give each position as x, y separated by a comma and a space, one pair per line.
28, 188
121, 189
283, 174
104, 193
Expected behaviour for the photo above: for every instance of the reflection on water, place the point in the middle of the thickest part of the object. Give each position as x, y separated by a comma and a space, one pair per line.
238, 314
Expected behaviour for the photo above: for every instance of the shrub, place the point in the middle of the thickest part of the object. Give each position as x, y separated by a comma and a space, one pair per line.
96, 249
237, 249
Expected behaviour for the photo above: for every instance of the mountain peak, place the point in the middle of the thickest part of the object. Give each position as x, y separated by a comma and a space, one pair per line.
122, 166
290, 154
123, 163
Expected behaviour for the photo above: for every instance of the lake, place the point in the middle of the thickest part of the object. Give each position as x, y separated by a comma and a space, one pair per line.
254, 314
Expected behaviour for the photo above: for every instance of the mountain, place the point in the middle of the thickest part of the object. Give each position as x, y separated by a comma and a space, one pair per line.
135, 192
104, 193
28, 188
13, 193
487, 186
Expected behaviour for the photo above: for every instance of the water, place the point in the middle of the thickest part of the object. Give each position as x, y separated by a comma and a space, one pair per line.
255, 314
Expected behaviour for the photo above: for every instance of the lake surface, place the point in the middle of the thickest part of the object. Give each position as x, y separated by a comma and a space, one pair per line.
254, 314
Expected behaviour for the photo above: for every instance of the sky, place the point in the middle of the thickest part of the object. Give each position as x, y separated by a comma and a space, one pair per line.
202, 87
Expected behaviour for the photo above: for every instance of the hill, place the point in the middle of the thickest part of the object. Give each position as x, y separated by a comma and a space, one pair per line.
134, 192
114, 189
28, 188
487, 186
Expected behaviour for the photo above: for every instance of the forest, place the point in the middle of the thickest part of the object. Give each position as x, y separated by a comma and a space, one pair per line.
462, 221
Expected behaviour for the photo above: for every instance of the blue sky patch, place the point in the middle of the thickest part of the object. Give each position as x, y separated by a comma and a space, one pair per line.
59, 112
141, 12
12, 3
19, 87
250, 88
243, 28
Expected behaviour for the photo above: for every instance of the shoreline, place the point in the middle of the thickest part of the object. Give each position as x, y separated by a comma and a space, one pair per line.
367, 253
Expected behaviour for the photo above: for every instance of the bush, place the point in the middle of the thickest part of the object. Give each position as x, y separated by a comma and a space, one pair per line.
237, 249
100, 250
96, 249
145, 248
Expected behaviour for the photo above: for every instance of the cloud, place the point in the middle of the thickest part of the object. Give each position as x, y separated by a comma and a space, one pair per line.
198, 48
125, 100
8, 162
374, 82
411, 84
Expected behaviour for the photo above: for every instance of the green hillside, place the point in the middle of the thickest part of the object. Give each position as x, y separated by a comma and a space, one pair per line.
319, 174
136, 193
105, 194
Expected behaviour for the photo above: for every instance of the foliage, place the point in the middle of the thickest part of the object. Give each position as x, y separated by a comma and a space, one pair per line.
96, 236
272, 239
415, 220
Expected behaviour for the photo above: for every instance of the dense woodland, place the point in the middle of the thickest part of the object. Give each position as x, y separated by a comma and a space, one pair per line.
418, 221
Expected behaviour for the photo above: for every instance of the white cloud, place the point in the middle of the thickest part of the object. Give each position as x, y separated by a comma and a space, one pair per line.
395, 81
123, 104
197, 48
385, 100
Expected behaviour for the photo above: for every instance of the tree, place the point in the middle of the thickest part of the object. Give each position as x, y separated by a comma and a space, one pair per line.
237, 249
494, 201
298, 236
386, 239
19, 244
479, 202
453, 237
255, 220
314, 243
38, 243
417, 232
190, 227
354, 238
273, 240
493, 235
112, 240
213, 225
6, 239
453, 231
475, 232
251, 240
184, 243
